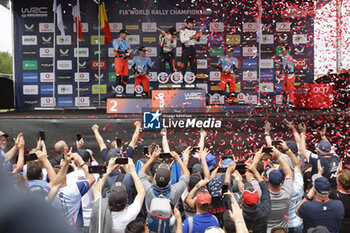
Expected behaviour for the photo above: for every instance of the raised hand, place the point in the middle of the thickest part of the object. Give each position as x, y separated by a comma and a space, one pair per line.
95, 127
302, 128
267, 127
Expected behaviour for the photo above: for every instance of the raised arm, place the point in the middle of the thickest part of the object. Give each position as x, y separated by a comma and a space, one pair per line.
98, 137
130, 168
46, 164
295, 132
230, 169
178, 218
98, 187
56, 183
186, 155
236, 215
184, 169
203, 155
323, 133
9, 155
267, 128
201, 143
153, 158
293, 158
136, 135
285, 167
80, 162
20, 159
189, 200
165, 143
303, 150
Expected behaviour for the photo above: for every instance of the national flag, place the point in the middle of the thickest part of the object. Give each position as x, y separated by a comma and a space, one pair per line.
77, 18
105, 24
58, 11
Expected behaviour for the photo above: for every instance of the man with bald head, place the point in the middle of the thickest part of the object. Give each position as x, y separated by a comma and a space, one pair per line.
59, 149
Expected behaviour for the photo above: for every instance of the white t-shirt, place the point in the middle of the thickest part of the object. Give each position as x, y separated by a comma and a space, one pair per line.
44, 171
88, 199
121, 219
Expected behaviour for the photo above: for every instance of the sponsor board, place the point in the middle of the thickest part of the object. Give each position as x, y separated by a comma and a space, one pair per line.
203, 40
65, 89
64, 64
300, 39
46, 40
249, 27
267, 50
47, 52
266, 63
178, 51
83, 65
216, 99
233, 39
180, 25
29, 40
46, 89
34, 12
83, 90
83, 52
116, 27
149, 39
249, 38
267, 39
95, 39
216, 27
249, 75
98, 78
96, 53
266, 76
47, 77
64, 77
64, 52
151, 51
133, 39
47, 102
152, 76
29, 65
132, 27
283, 26
82, 101
30, 90
216, 51
64, 40
82, 77
250, 64
30, 77
300, 50
202, 86
46, 27
149, 27
65, 101
95, 65
214, 75
96, 88
129, 89
250, 51
216, 39
300, 63
112, 77
29, 52
30, 102
266, 87
111, 52
46, 65
27, 27
282, 38
202, 64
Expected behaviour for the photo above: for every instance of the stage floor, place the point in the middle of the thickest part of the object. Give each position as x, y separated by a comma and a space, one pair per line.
241, 133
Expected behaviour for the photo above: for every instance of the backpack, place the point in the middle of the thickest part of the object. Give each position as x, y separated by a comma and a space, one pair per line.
160, 212
332, 170
107, 187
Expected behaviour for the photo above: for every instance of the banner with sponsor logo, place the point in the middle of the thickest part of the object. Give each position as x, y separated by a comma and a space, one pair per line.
34, 48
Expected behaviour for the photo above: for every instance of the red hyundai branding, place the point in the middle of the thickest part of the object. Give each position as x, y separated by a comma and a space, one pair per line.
300, 63
95, 64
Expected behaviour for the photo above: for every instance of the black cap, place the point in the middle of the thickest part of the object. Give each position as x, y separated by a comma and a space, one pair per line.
190, 20
230, 49
3, 134
194, 179
162, 175
118, 198
124, 31
172, 30
142, 48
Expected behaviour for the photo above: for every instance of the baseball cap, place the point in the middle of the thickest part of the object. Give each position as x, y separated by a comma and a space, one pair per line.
194, 179
190, 20
227, 162
172, 30
322, 186
111, 155
142, 48
214, 187
162, 176
180, 148
124, 31
230, 49
275, 176
324, 147
203, 198
250, 194
117, 196
318, 229
3, 134
292, 145
197, 168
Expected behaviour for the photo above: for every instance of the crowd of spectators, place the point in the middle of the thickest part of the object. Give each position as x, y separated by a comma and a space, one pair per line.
282, 187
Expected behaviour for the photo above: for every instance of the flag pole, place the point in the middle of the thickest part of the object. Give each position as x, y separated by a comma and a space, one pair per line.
99, 54
259, 27
78, 51
54, 53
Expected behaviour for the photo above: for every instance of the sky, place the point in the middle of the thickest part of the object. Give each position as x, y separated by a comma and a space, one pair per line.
6, 32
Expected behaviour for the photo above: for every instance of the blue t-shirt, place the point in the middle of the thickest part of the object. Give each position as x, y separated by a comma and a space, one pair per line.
41, 183
329, 214
8, 166
141, 64
200, 223
129, 152
121, 46
288, 63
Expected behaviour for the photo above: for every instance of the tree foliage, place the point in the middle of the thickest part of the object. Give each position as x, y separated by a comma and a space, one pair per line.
5, 63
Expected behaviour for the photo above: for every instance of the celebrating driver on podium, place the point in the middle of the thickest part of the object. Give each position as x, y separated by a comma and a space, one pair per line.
167, 42
122, 52
188, 38
141, 65
228, 66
